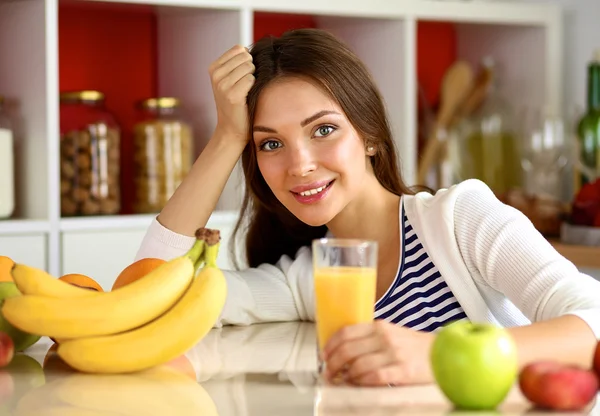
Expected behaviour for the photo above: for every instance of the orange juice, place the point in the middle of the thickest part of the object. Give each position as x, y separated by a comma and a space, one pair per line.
344, 296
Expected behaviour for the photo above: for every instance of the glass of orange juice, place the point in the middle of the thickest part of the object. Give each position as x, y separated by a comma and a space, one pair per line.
345, 276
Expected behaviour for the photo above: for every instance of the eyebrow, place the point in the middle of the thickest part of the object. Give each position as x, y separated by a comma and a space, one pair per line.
303, 123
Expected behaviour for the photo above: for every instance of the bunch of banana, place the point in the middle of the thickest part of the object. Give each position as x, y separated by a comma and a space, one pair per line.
146, 323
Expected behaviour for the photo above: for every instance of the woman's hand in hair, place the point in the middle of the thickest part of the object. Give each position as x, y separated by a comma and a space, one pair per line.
232, 76
379, 354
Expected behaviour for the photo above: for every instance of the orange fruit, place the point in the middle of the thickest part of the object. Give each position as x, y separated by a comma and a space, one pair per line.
81, 280
136, 270
6, 265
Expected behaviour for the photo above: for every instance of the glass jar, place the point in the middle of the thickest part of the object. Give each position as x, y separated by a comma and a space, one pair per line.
7, 164
90, 155
163, 152
486, 145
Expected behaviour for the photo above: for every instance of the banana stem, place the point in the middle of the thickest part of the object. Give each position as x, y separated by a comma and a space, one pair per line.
211, 250
198, 265
197, 251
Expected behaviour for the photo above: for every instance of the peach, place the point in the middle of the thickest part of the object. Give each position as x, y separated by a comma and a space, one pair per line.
557, 386
7, 349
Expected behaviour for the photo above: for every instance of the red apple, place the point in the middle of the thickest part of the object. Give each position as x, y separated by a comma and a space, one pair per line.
557, 386
7, 349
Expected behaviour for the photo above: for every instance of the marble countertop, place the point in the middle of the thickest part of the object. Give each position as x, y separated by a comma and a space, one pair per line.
267, 369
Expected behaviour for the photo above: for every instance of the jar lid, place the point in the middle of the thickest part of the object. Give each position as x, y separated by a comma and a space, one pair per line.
160, 102
84, 95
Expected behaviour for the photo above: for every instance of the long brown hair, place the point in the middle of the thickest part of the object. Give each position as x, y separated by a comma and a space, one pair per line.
272, 230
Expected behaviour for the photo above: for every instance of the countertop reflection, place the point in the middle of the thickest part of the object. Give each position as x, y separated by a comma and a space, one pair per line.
267, 369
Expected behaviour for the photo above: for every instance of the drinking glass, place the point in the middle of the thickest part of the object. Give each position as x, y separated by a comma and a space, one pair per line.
345, 277
546, 152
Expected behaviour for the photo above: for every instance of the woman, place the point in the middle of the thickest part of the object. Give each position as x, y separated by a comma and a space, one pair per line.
318, 156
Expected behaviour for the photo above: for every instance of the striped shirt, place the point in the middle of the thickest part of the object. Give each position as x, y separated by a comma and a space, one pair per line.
419, 297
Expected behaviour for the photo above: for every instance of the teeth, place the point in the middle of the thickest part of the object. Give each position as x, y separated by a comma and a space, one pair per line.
312, 191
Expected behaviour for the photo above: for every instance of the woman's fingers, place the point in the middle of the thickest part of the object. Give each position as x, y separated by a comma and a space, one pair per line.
239, 91
232, 70
232, 77
346, 334
345, 354
226, 57
237, 74
368, 363
381, 376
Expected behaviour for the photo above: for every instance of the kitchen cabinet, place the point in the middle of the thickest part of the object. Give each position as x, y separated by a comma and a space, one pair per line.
104, 248
185, 36
30, 249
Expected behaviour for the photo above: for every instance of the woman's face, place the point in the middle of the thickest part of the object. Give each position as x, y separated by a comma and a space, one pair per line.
307, 151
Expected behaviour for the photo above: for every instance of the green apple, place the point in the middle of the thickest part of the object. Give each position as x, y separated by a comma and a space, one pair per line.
474, 364
22, 340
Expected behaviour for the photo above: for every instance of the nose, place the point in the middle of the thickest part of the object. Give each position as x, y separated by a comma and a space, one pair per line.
301, 161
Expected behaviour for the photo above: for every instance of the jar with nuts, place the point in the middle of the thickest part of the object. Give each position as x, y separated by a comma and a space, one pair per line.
163, 152
90, 155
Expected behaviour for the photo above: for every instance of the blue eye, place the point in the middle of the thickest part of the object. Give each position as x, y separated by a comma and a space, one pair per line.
269, 146
323, 131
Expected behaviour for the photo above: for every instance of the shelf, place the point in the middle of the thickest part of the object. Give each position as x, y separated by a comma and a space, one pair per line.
133, 48
458, 11
123, 222
9, 227
581, 256
482, 12
23, 83
204, 4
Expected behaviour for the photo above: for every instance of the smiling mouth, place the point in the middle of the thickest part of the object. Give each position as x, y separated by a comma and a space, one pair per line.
314, 191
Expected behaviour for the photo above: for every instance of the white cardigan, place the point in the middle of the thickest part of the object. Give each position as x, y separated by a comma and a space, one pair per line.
499, 267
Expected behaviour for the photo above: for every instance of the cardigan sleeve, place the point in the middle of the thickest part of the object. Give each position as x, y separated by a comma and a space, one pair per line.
268, 293
501, 246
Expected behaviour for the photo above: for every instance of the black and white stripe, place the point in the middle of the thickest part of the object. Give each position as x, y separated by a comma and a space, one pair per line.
419, 297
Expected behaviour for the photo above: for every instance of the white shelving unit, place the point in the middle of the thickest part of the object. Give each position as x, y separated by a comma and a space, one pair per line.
526, 38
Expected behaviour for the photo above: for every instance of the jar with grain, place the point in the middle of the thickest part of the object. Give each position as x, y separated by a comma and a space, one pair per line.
163, 152
90, 155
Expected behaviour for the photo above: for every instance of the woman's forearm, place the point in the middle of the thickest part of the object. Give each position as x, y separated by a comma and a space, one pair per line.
195, 199
566, 339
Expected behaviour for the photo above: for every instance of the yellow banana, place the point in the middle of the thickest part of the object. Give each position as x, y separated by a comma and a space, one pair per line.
161, 340
106, 313
34, 281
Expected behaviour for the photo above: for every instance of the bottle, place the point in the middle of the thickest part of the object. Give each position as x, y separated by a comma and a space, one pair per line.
588, 128
485, 144
7, 163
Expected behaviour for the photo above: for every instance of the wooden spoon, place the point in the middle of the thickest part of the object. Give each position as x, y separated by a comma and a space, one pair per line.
476, 96
472, 101
456, 84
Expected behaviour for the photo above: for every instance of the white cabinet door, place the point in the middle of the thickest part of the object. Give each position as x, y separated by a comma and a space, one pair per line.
29, 249
103, 254
99, 254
